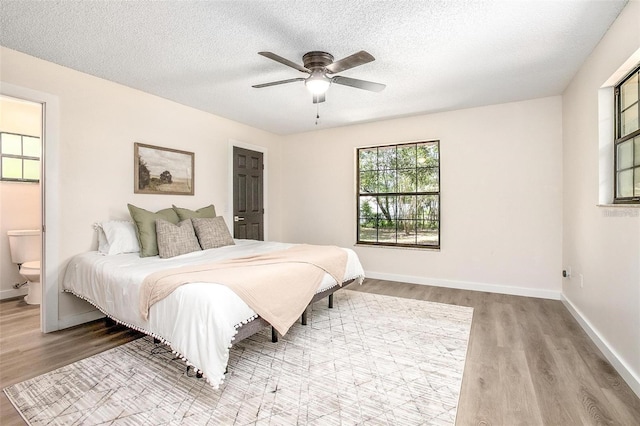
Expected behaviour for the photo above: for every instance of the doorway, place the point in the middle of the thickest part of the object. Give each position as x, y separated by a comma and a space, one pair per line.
49, 198
21, 129
248, 194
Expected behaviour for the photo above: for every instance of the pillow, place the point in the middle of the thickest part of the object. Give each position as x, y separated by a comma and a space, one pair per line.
116, 237
212, 232
146, 227
174, 240
209, 211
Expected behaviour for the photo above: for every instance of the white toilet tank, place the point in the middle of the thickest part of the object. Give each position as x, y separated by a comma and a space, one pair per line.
25, 245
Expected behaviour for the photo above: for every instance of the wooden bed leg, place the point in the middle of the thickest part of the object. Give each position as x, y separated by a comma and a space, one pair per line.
303, 319
274, 335
109, 322
156, 341
331, 301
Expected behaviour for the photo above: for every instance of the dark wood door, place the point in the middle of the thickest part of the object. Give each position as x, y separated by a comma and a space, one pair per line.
248, 204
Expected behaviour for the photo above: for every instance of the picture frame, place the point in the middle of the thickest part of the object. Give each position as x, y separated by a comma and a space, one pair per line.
159, 170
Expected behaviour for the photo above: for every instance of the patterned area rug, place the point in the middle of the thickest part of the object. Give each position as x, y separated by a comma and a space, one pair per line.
370, 360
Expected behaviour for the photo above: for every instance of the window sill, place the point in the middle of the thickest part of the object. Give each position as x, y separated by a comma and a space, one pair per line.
424, 248
620, 210
619, 206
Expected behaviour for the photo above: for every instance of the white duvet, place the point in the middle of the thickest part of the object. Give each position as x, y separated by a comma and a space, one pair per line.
198, 320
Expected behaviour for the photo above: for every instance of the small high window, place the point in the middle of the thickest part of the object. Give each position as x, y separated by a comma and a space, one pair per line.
399, 195
627, 139
20, 157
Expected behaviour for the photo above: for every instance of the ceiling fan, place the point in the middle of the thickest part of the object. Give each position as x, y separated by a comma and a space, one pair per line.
320, 67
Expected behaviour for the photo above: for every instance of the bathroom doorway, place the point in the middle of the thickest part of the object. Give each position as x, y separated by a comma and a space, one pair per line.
21, 194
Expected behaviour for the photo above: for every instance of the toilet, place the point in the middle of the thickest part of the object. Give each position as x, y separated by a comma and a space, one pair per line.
26, 248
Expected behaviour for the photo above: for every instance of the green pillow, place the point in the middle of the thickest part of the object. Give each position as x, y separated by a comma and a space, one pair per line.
146, 227
203, 213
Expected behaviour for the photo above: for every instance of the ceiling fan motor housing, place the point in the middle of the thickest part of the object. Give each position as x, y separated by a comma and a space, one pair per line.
317, 60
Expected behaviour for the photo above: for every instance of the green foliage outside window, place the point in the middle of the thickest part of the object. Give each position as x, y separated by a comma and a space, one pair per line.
399, 195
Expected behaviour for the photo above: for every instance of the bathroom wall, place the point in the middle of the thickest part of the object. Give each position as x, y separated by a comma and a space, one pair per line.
19, 201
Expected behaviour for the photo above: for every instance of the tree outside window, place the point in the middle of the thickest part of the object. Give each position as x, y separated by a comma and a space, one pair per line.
399, 195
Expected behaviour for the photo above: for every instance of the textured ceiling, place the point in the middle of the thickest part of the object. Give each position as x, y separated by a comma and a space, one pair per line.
432, 55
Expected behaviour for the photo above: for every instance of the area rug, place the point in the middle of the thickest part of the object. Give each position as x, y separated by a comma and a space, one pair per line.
371, 359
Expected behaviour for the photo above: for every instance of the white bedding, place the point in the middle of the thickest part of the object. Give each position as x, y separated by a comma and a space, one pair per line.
198, 320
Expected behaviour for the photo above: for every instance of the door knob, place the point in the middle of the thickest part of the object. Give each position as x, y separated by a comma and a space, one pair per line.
237, 218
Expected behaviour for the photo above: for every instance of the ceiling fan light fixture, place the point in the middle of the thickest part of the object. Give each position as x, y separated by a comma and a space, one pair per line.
317, 84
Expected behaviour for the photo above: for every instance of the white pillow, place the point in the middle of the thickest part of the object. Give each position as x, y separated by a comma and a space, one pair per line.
116, 237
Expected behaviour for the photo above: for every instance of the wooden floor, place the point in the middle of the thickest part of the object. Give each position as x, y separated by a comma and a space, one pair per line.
528, 362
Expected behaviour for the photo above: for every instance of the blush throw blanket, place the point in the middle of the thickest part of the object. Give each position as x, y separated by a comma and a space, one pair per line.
278, 286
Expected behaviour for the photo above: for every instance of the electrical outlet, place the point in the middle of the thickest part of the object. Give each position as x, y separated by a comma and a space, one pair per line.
581, 281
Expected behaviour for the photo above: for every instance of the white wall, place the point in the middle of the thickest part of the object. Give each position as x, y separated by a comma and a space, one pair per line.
19, 201
99, 122
601, 244
501, 189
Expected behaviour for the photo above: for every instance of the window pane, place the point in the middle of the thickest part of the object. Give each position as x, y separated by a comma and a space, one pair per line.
11, 168
11, 144
406, 232
32, 169
406, 207
368, 182
636, 182
428, 180
406, 157
427, 208
427, 155
387, 158
629, 121
427, 233
629, 92
387, 231
368, 208
387, 210
625, 155
387, 181
31, 146
368, 233
625, 183
368, 159
407, 180
636, 150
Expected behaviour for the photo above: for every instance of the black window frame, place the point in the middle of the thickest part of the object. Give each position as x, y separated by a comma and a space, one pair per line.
416, 193
21, 157
619, 139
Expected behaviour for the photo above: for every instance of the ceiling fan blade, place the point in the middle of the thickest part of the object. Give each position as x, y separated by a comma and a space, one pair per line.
275, 83
358, 84
349, 62
318, 98
284, 61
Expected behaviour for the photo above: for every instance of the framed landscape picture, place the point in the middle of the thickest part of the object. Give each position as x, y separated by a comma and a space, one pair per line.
159, 170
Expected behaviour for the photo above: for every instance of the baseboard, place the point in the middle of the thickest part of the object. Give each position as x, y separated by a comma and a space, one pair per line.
467, 285
8, 294
612, 356
72, 320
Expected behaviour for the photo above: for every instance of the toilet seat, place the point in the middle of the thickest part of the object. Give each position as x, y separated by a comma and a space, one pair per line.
33, 265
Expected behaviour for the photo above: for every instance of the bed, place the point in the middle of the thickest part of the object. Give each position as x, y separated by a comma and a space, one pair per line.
199, 321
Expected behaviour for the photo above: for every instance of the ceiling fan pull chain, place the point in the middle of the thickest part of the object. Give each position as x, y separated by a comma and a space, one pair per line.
317, 113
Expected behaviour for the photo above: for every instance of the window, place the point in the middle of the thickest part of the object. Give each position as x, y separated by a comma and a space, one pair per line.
399, 195
627, 139
20, 156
